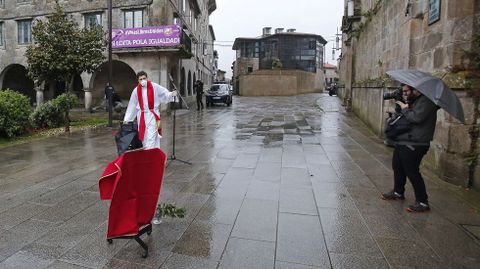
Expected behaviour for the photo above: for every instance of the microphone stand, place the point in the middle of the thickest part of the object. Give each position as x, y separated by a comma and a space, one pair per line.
173, 157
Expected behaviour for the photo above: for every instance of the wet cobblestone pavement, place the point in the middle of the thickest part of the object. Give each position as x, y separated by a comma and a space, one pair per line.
276, 182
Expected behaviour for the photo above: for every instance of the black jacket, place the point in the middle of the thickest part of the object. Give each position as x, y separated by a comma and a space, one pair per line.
422, 114
199, 89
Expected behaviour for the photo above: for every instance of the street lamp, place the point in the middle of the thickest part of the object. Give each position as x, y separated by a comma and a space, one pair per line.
109, 90
337, 44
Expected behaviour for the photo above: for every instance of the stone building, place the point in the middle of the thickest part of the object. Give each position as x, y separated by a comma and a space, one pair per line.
221, 75
192, 59
283, 63
429, 35
331, 74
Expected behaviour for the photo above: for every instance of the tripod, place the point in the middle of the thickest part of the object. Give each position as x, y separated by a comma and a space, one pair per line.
173, 157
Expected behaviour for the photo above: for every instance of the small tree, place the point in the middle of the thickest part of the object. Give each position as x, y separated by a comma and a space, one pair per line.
276, 63
65, 102
54, 113
61, 50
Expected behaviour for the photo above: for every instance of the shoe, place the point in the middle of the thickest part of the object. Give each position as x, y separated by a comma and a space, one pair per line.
393, 195
418, 208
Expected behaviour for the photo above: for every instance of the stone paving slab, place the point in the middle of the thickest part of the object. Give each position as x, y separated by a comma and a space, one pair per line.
275, 182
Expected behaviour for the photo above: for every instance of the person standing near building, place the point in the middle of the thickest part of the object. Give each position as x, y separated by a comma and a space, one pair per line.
411, 146
144, 104
199, 91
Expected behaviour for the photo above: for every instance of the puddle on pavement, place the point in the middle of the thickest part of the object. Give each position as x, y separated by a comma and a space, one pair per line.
272, 138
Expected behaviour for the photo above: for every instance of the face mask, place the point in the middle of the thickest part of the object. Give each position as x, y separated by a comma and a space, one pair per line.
143, 83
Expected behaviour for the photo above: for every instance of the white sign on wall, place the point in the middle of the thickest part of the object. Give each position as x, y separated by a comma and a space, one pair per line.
434, 7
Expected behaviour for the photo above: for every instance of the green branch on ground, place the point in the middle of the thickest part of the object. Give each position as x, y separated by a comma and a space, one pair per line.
170, 210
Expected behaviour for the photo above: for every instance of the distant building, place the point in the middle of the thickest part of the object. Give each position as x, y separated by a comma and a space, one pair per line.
215, 65
221, 75
190, 60
299, 53
331, 74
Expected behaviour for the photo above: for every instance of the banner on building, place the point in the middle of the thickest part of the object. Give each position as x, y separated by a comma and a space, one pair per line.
153, 36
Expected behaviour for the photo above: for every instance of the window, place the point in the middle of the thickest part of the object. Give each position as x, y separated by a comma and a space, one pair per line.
24, 31
133, 18
1, 34
190, 15
93, 19
21, 1
1, 3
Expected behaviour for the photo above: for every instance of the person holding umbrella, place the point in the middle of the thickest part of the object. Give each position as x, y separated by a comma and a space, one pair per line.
425, 95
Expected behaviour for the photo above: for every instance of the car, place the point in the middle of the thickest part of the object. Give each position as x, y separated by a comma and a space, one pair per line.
219, 93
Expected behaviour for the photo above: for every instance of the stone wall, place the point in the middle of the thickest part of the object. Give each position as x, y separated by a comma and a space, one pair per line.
242, 64
280, 83
451, 143
393, 40
389, 36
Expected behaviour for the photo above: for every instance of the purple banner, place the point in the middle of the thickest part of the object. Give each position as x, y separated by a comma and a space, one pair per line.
154, 36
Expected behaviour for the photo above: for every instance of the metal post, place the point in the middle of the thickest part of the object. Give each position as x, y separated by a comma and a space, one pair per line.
109, 89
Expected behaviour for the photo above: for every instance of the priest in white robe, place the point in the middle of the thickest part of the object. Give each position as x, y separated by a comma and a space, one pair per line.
146, 109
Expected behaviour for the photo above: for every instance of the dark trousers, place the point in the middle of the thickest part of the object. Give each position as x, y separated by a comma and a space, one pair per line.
406, 163
199, 102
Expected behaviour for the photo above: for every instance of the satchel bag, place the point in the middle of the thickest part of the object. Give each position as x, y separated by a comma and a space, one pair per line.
397, 125
126, 137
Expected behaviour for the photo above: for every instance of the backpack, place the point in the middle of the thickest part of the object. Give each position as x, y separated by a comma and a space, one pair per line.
396, 125
126, 137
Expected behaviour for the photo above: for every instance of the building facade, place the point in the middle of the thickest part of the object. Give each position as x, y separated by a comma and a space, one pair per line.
439, 37
290, 50
331, 74
194, 60
221, 75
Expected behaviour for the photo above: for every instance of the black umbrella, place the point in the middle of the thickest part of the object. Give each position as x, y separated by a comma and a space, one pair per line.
127, 137
433, 88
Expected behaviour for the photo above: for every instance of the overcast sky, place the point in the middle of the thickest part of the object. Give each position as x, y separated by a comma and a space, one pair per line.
246, 18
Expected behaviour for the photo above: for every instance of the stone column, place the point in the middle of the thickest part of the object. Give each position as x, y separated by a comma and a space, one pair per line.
86, 81
88, 99
164, 79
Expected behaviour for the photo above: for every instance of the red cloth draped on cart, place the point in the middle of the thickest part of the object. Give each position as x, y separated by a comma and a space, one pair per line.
132, 182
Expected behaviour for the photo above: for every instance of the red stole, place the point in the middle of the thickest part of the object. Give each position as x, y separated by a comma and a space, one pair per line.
150, 96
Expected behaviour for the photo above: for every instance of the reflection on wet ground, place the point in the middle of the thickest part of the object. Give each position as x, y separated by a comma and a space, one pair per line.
275, 182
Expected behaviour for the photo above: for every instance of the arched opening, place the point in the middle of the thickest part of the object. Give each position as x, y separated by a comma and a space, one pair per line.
194, 80
189, 83
124, 80
182, 82
15, 77
78, 87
